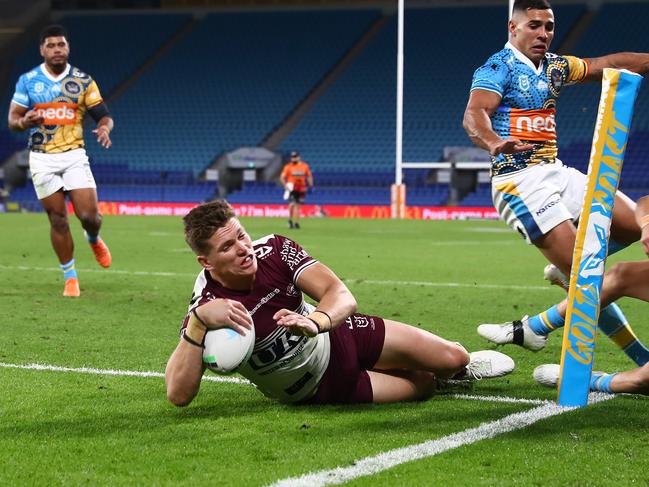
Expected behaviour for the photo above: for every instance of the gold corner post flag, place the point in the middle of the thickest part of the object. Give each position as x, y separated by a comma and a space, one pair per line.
619, 91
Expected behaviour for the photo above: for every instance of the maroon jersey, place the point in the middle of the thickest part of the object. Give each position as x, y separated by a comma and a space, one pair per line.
283, 366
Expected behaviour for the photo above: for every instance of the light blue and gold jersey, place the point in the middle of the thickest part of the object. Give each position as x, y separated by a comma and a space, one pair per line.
63, 101
528, 102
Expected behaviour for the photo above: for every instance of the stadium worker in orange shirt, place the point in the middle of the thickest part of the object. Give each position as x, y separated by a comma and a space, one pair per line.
511, 114
50, 102
624, 279
296, 178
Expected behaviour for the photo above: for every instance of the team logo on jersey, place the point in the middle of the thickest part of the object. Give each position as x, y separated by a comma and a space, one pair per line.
263, 251
57, 113
524, 82
37, 138
71, 88
39, 87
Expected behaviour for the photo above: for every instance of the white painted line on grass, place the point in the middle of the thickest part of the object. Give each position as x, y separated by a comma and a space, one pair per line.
236, 380
348, 280
129, 373
512, 400
386, 460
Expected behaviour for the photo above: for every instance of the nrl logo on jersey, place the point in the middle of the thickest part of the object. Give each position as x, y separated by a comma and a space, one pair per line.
524, 82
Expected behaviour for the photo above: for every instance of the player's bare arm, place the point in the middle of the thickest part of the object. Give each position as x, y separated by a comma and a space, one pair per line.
637, 62
335, 302
642, 217
103, 130
183, 373
21, 118
477, 124
185, 367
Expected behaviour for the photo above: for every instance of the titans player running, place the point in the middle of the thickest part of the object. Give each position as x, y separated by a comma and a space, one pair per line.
511, 113
51, 101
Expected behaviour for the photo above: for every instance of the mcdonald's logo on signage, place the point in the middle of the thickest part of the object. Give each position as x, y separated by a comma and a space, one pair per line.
380, 212
352, 212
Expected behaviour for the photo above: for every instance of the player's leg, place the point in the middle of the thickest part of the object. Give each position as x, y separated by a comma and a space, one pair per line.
401, 385
557, 245
61, 238
624, 228
635, 381
407, 347
84, 201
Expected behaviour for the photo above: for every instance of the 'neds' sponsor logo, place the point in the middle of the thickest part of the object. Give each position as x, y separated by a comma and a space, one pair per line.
57, 113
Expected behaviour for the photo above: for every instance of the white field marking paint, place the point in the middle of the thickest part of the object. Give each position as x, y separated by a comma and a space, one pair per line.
129, 373
386, 460
352, 281
447, 284
235, 380
488, 230
512, 400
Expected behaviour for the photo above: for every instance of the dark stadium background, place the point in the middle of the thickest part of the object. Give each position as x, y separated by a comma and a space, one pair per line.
190, 81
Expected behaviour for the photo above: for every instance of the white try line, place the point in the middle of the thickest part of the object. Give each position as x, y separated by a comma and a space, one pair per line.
235, 380
383, 461
127, 373
372, 282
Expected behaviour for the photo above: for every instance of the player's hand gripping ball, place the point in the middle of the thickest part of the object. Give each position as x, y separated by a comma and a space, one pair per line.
225, 350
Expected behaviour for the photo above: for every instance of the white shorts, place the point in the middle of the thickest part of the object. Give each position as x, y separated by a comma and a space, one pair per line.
537, 199
68, 170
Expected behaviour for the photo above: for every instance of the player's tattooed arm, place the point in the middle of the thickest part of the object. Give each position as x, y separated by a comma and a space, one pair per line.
637, 62
477, 124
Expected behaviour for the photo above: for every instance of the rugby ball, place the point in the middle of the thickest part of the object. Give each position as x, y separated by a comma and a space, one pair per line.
225, 350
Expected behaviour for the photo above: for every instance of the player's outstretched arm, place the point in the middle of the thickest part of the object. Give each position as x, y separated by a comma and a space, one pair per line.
477, 124
183, 373
637, 62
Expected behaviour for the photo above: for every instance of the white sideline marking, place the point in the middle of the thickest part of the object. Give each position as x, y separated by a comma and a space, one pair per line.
236, 380
130, 373
348, 280
386, 460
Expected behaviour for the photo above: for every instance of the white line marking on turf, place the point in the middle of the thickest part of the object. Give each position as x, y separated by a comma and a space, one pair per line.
236, 380
386, 460
349, 280
513, 400
129, 373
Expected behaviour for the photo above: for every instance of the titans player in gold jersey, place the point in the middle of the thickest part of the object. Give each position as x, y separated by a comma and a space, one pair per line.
50, 102
510, 113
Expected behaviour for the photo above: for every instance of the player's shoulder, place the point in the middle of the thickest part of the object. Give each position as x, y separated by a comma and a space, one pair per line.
499, 63
75, 72
553, 58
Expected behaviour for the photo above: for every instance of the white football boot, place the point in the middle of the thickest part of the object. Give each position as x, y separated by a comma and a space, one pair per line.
547, 375
517, 332
486, 364
556, 277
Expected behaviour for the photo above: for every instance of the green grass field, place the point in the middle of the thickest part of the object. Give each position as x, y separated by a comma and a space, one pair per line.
64, 427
